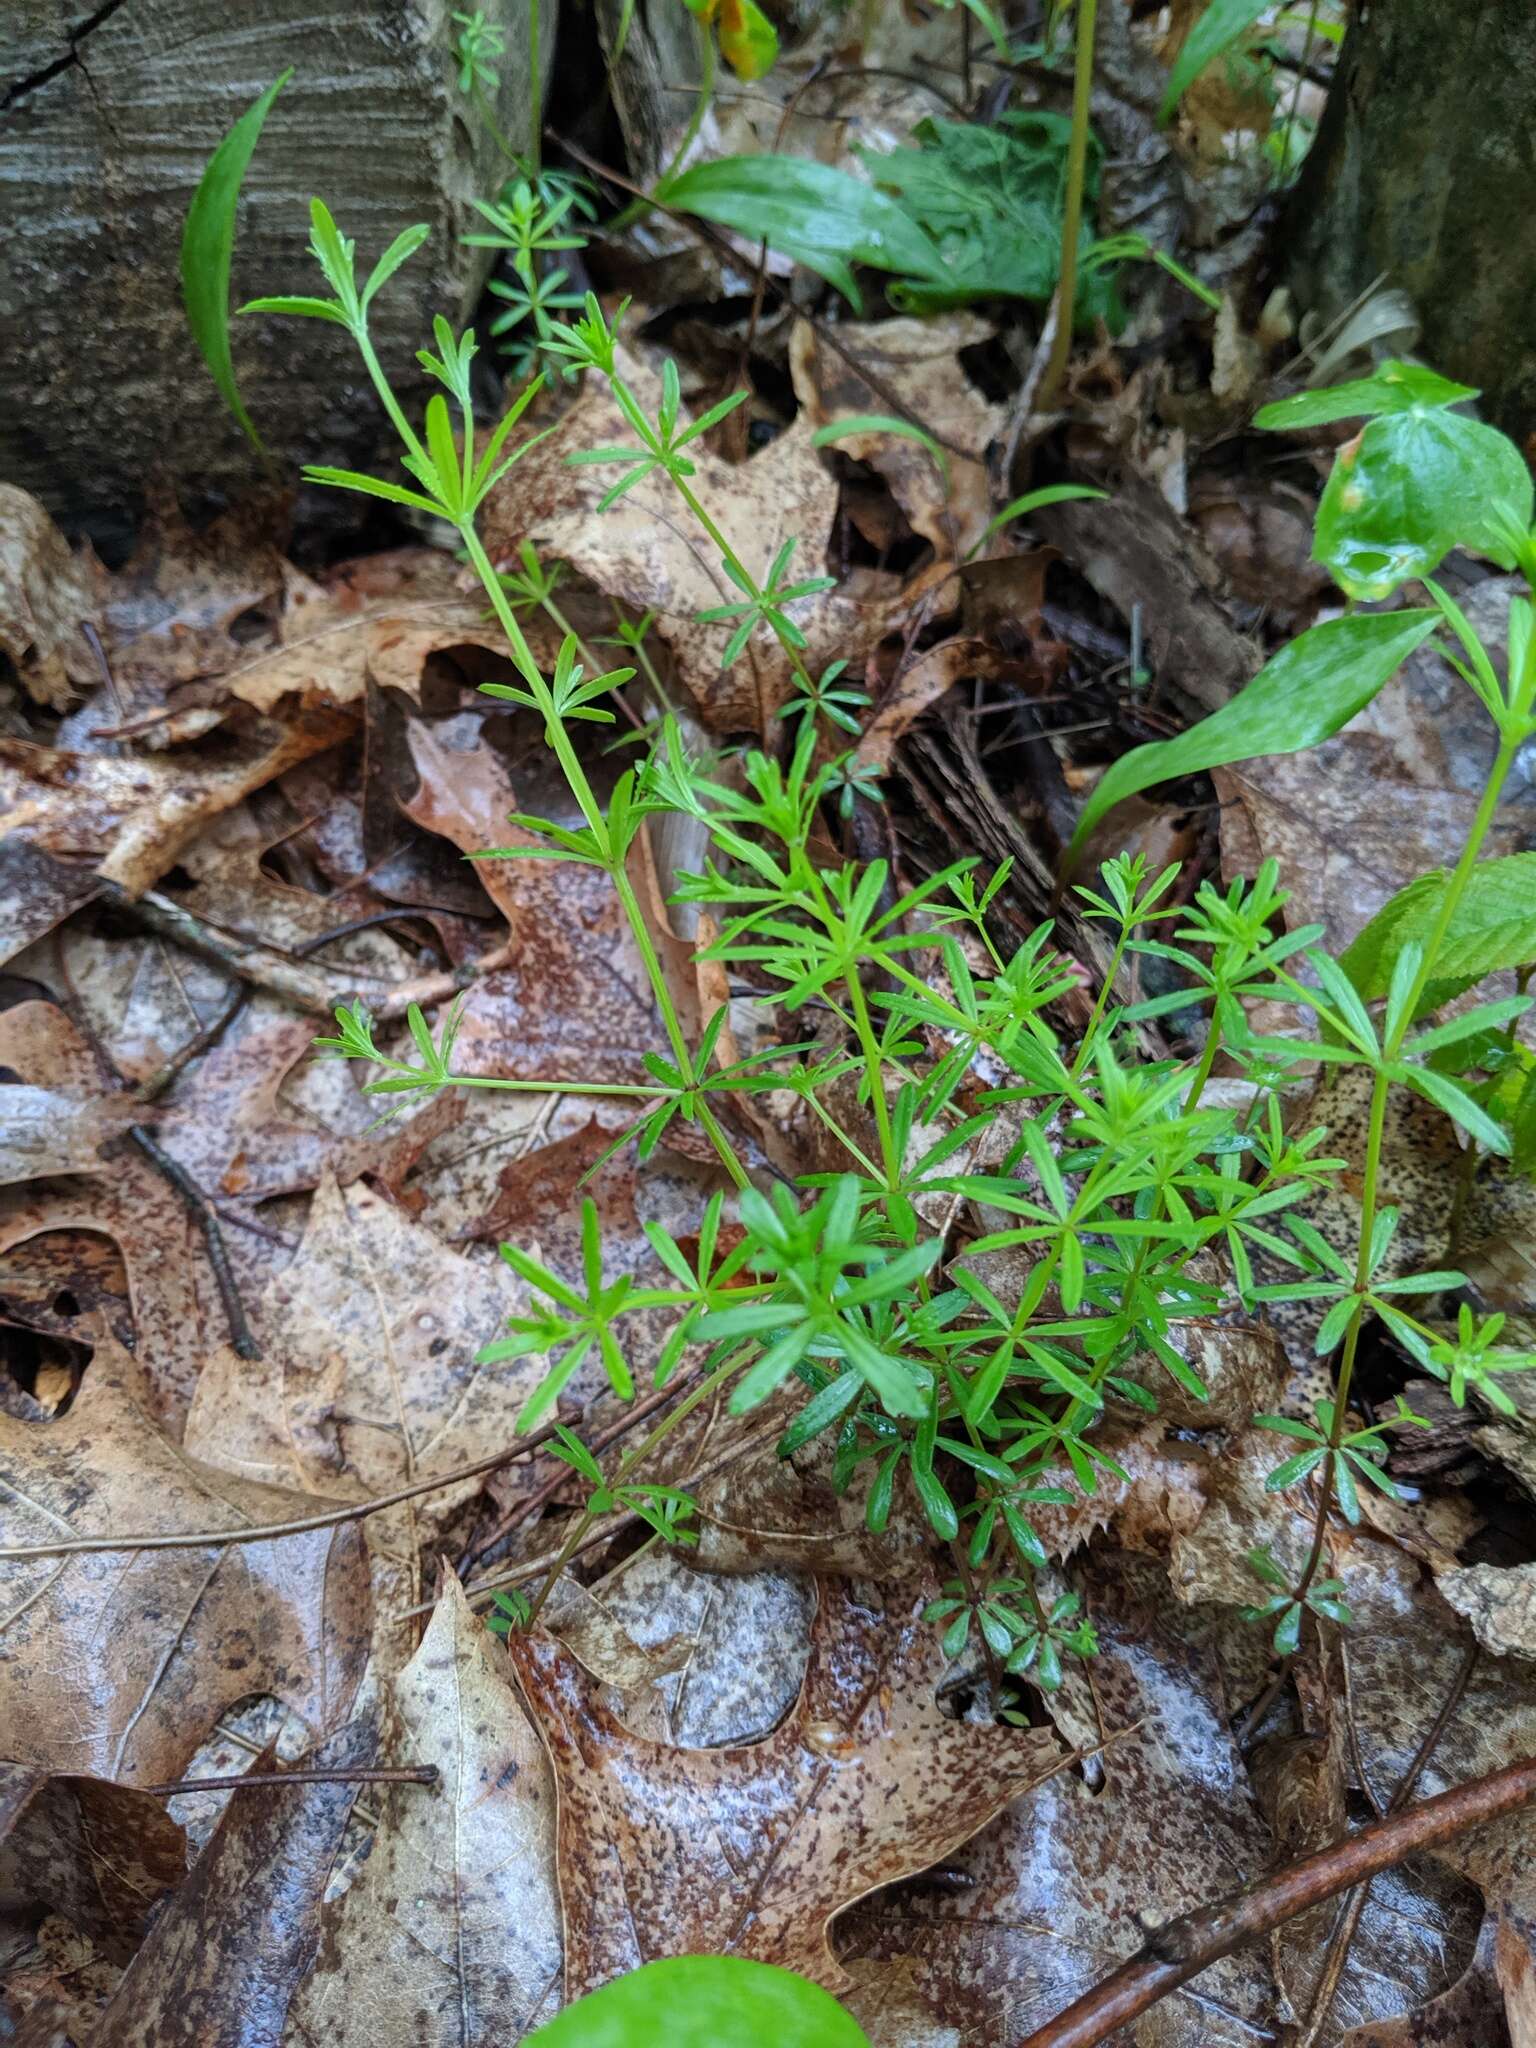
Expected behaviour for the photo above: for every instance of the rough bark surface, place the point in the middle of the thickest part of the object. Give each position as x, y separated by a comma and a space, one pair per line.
1423, 171
107, 119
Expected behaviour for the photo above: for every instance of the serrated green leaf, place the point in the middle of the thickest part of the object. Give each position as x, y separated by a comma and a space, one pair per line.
1493, 926
1305, 693
207, 249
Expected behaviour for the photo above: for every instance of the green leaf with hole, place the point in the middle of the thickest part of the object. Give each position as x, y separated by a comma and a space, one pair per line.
1493, 927
207, 248
1305, 693
704, 2002
1410, 488
1394, 387
822, 217
1223, 23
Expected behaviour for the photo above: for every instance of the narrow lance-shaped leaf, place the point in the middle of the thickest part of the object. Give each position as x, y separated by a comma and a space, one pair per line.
880, 423
207, 249
1306, 693
1217, 29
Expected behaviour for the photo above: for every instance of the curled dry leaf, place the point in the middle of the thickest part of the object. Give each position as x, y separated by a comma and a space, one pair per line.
100, 1855
128, 816
454, 1918
921, 684
643, 551
223, 1960
378, 619
118, 1662
914, 370
751, 1850
45, 594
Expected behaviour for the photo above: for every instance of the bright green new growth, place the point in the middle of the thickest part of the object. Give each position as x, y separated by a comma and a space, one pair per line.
704, 2002
976, 1389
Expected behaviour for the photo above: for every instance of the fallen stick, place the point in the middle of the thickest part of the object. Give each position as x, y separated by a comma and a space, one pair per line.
1190, 1944
247, 1781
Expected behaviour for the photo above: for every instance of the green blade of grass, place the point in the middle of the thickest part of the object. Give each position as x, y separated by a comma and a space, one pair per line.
207, 246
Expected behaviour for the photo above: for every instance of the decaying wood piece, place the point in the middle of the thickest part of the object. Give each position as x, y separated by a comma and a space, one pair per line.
108, 120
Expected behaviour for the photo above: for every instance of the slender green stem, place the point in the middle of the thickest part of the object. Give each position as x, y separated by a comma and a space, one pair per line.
749, 581
1509, 747
1101, 999
873, 1065
628, 1464
591, 810
1072, 208
633, 1088
492, 128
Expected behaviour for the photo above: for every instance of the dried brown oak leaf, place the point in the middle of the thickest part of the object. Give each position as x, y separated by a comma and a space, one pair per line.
225, 1123
1052, 1895
752, 1850
648, 552
368, 1380
118, 1662
377, 619
224, 1959
129, 815
101, 1855
914, 370
572, 1000
51, 1130
450, 1934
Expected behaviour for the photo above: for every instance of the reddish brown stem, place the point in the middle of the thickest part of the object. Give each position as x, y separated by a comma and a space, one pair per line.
245, 1781
1193, 1942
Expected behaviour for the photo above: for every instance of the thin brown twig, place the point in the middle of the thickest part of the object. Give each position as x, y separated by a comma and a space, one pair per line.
1194, 1941
267, 1532
213, 1238
246, 1781
1340, 1940
201, 1042
602, 1532
524, 1510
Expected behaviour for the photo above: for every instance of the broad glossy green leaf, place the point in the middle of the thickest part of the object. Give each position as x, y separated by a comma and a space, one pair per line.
825, 218
1494, 925
1394, 387
1414, 485
1222, 23
1304, 694
704, 2002
207, 248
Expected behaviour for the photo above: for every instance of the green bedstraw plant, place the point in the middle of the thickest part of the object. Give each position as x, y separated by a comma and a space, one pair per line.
976, 1387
